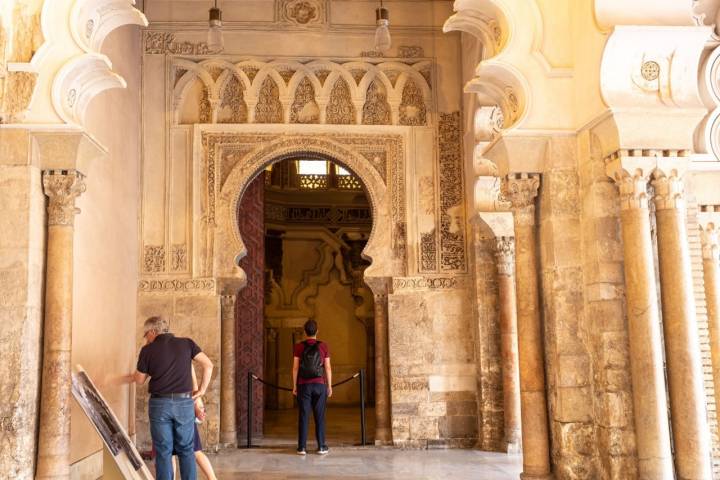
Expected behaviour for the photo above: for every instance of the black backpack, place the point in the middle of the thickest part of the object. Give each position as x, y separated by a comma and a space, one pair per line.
311, 362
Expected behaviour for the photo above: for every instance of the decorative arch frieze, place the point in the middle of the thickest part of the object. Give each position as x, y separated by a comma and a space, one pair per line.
330, 92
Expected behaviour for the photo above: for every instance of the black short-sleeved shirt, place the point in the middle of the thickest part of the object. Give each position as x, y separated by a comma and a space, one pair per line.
168, 360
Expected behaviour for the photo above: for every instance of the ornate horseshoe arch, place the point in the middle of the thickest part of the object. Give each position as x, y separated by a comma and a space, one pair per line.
229, 246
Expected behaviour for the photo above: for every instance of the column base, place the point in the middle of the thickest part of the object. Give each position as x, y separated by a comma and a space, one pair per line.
513, 448
383, 436
228, 439
531, 476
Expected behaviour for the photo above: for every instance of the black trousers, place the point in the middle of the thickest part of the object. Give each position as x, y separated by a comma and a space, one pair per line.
311, 396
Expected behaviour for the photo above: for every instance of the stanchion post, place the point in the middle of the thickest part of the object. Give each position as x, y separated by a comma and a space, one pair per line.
362, 407
249, 408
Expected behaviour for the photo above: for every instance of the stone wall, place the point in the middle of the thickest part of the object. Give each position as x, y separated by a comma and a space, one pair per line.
567, 357
604, 285
432, 364
487, 347
22, 256
193, 311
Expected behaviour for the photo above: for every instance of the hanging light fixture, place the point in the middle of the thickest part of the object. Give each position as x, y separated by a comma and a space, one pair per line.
382, 33
215, 41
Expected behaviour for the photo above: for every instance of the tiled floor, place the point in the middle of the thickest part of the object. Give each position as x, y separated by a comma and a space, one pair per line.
275, 457
368, 463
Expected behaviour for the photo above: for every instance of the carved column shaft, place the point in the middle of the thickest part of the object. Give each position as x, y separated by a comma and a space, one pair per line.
682, 343
521, 190
228, 420
383, 431
61, 188
711, 275
505, 254
644, 337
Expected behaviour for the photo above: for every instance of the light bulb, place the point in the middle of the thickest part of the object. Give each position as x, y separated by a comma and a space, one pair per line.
382, 33
215, 41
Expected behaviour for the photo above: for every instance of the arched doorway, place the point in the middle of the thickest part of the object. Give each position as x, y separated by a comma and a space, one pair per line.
305, 220
225, 246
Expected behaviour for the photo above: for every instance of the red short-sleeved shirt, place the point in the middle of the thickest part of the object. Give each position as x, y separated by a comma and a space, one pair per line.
298, 349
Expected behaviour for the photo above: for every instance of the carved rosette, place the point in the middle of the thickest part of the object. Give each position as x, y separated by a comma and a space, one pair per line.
669, 190
505, 255
62, 187
520, 189
710, 238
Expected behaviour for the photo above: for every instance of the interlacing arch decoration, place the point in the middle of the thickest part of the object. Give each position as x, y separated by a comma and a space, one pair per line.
340, 91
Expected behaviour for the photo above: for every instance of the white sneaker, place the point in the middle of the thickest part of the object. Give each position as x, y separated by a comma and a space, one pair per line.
301, 451
323, 451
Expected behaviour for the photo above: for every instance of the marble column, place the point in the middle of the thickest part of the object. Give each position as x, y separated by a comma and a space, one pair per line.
682, 343
61, 187
228, 421
711, 276
383, 431
521, 190
505, 254
645, 342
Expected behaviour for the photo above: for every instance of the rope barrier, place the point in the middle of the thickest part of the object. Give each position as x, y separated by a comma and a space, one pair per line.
251, 376
255, 377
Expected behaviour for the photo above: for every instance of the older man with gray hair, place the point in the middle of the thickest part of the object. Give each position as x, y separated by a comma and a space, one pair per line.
167, 360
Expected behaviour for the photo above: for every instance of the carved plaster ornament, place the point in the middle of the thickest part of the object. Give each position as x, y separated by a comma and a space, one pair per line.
669, 190
301, 12
520, 189
62, 187
505, 255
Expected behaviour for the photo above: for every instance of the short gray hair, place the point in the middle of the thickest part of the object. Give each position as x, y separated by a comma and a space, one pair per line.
157, 324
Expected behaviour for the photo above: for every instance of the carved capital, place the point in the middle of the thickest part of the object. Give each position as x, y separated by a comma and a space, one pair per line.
710, 238
633, 187
62, 187
669, 190
505, 255
520, 189
227, 306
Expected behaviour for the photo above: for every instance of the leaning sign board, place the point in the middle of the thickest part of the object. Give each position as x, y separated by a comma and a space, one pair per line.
126, 463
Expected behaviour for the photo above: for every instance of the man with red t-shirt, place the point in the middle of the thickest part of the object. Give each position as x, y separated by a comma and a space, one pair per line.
311, 359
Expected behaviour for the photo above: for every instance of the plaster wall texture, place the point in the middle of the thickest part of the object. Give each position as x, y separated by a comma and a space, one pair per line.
106, 255
22, 254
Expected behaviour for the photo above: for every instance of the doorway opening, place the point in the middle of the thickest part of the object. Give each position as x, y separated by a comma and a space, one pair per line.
305, 221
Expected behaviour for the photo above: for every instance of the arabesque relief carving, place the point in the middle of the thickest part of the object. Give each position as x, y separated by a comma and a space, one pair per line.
386, 152
154, 259
340, 109
303, 13
452, 197
269, 109
164, 43
412, 107
304, 108
376, 110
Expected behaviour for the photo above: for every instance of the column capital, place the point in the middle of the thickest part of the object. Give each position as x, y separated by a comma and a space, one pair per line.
505, 255
62, 187
710, 238
669, 189
631, 174
520, 189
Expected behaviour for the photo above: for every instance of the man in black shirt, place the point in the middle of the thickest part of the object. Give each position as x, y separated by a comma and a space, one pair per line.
167, 360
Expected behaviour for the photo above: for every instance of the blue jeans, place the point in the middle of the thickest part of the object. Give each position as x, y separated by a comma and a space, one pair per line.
172, 427
311, 396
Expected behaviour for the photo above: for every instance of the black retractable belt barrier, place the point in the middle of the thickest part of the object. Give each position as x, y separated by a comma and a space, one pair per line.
251, 376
